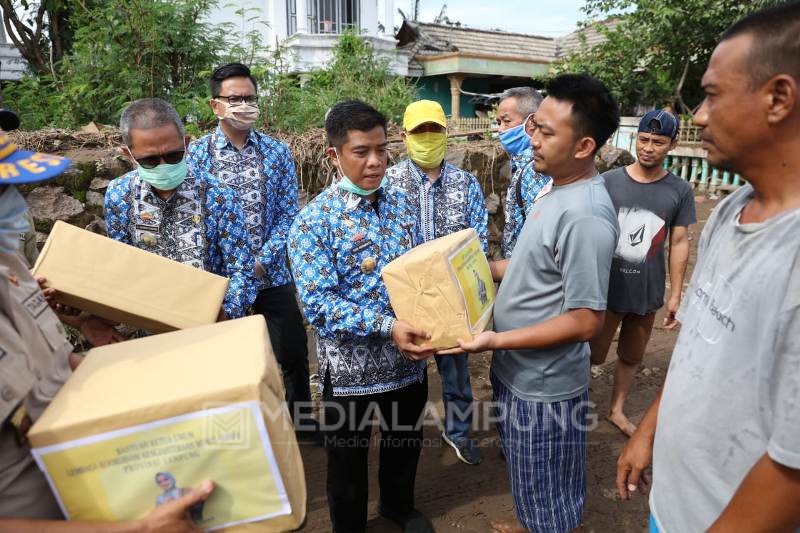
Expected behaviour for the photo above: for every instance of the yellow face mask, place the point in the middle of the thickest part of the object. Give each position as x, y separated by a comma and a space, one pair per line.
427, 149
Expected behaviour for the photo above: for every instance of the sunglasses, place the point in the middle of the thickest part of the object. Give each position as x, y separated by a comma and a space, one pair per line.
152, 161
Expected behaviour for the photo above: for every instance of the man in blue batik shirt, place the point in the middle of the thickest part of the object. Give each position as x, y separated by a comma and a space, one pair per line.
447, 199
165, 209
368, 359
514, 115
261, 171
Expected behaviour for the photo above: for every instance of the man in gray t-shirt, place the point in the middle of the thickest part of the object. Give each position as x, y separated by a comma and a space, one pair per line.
564, 259
550, 302
652, 205
724, 433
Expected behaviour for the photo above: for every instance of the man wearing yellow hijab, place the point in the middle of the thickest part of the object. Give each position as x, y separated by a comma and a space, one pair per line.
447, 199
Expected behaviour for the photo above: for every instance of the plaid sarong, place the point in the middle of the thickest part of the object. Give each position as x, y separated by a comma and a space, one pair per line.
545, 449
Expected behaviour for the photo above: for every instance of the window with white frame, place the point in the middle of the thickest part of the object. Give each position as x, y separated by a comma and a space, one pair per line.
325, 16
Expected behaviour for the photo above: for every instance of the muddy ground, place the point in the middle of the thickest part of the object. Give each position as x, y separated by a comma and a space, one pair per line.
462, 498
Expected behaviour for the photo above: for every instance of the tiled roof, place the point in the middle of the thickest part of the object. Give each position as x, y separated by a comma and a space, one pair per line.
436, 39
572, 42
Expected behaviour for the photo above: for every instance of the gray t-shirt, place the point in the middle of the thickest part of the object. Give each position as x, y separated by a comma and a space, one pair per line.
646, 212
561, 262
732, 392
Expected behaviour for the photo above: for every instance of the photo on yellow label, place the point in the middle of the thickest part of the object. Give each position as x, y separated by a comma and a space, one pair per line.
125, 474
474, 278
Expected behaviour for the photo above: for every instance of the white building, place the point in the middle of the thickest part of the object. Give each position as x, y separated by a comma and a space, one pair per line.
12, 66
310, 28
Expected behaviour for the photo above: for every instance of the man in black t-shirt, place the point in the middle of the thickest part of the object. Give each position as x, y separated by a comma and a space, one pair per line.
652, 204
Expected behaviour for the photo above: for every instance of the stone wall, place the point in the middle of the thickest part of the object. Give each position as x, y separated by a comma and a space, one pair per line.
77, 195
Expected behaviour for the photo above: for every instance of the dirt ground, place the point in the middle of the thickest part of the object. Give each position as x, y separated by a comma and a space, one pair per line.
463, 498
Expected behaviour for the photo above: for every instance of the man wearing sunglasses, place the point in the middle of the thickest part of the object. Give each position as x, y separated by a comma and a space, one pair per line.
163, 207
261, 171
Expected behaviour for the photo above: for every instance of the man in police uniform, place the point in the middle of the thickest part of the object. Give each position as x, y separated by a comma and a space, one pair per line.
35, 361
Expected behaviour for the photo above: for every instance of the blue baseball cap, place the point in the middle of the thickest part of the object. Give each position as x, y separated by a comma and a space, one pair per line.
660, 122
20, 166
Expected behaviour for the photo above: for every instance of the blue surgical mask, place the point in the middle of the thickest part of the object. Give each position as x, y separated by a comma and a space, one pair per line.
12, 222
164, 177
515, 140
346, 183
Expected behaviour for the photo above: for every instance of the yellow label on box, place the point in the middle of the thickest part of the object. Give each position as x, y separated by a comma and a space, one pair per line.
474, 280
124, 474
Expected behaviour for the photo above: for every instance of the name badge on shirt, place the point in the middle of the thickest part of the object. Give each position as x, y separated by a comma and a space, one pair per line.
35, 303
147, 235
362, 245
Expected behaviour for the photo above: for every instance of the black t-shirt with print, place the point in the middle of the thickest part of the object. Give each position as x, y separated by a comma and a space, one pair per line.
646, 212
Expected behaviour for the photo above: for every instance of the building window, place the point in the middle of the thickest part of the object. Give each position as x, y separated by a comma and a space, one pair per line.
333, 16
291, 16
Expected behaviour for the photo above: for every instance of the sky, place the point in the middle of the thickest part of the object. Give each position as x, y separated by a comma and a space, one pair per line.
550, 18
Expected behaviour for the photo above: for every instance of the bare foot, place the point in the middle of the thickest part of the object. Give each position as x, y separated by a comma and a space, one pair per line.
507, 526
622, 423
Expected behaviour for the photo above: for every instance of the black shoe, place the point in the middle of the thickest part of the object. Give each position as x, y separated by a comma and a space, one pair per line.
413, 522
465, 450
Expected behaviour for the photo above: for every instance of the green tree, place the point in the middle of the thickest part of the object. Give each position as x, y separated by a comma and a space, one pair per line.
296, 104
123, 50
40, 30
128, 49
658, 50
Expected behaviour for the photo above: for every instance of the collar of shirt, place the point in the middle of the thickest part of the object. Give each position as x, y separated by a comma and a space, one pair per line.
222, 142
423, 177
522, 159
354, 201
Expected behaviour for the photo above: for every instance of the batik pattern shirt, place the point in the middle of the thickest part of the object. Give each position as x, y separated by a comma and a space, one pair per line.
452, 203
528, 182
338, 245
200, 225
263, 175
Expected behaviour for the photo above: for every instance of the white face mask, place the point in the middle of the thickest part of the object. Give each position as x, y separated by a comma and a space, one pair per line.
12, 224
240, 117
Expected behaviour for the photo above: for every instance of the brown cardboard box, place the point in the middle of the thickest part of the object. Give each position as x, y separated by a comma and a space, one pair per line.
444, 287
119, 282
130, 393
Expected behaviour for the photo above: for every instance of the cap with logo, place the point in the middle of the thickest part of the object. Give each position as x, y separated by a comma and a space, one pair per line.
421, 112
660, 122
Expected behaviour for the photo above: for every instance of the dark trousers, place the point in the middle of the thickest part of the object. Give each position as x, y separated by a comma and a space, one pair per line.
289, 342
347, 436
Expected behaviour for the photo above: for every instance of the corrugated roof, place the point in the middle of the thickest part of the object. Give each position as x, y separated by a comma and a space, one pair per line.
437, 39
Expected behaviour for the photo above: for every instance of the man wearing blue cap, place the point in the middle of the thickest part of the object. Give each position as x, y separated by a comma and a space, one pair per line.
651, 203
35, 360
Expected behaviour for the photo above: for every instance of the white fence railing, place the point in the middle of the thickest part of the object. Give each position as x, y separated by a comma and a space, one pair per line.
687, 161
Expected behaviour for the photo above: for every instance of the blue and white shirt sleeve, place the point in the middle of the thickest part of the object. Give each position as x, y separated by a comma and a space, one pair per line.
320, 289
228, 235
477, 216
197, 157
273, 254
532, 184
115, 209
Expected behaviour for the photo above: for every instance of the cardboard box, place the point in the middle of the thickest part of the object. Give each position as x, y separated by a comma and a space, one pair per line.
443, 286
142, 419
119, 282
